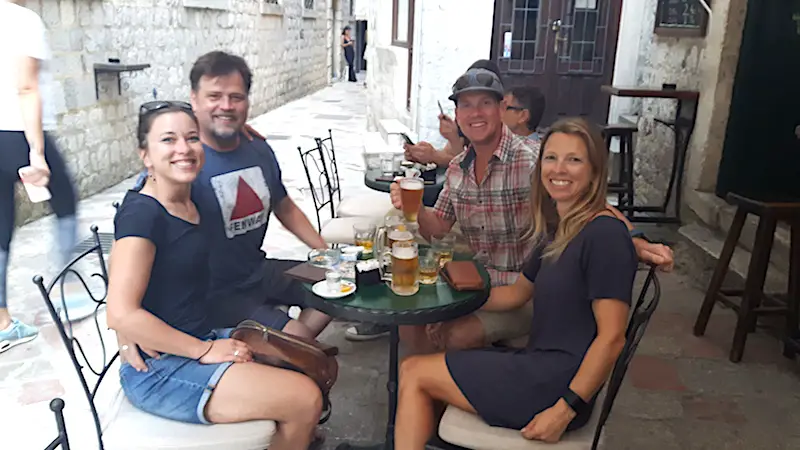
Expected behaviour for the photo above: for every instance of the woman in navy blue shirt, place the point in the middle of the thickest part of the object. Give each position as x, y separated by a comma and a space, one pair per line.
157, 297
579, 278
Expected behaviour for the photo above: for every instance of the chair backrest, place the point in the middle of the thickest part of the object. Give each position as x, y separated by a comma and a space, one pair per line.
97, 366
329, 156
642, 312
318, 180
57, 406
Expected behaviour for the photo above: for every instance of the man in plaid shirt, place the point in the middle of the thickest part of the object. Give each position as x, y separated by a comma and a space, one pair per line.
487, 191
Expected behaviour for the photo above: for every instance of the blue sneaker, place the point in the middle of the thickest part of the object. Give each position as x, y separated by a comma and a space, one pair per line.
17, 333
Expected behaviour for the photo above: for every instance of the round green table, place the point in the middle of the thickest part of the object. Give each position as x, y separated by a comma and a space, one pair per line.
378, 304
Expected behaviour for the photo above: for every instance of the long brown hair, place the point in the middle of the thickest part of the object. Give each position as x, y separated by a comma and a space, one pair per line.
589, 203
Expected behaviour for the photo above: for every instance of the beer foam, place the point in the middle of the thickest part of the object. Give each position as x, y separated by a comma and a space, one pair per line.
397, 235
404, 252
412, 184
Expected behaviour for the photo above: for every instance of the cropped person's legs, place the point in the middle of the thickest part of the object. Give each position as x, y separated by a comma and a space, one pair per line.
64, 204
253, 391
423, 380
283, 290
476, 330
14, 149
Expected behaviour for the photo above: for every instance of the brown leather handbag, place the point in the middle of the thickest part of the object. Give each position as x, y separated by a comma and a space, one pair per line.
278, 349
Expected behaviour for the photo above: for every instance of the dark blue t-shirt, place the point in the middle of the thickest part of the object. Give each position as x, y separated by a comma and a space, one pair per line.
600, 262
235, 193
177, 290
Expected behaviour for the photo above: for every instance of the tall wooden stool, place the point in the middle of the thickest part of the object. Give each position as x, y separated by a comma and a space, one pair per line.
623, 186
750, 307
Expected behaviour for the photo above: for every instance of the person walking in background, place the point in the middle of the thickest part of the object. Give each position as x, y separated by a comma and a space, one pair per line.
348, 44
26, 115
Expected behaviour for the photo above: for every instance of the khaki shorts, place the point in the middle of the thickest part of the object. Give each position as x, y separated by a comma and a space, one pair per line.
503, 325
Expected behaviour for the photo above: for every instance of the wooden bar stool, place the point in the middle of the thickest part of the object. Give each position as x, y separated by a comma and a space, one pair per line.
623, 186
750, 306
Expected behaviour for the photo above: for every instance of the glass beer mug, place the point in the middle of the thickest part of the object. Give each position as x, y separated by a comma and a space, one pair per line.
404, 277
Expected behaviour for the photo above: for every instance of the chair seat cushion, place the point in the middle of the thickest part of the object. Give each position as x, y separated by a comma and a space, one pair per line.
340, 230
374, 204
129, 428
468, 430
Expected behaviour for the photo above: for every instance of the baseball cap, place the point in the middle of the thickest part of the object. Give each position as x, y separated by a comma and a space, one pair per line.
477, 80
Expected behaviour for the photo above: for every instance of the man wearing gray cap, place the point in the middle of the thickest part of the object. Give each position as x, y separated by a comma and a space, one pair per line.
487, 191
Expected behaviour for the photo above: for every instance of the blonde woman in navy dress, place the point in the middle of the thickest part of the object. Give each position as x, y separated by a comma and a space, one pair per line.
580, 279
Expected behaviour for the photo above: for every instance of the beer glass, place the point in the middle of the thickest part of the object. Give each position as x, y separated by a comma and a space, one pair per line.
364, 236
405, 268
443, 245
428, 266
411, 190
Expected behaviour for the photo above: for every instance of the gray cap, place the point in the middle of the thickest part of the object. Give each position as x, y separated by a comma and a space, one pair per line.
477, 80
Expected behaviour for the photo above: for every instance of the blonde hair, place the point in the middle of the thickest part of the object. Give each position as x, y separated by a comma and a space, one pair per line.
589, 203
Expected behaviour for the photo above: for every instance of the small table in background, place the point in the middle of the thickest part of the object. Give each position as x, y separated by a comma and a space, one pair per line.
378, 304
431, 191
683, 126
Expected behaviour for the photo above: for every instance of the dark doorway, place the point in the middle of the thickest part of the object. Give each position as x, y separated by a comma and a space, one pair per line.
566, 48
361, 45
761, 154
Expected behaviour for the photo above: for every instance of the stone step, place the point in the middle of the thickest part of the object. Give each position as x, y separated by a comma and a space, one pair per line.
699, 249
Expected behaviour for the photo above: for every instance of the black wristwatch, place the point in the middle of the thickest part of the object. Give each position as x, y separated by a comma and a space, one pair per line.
574, 401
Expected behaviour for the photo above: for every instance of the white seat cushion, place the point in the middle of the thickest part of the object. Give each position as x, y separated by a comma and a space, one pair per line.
376, 205
340, 229
468, 430
130, 428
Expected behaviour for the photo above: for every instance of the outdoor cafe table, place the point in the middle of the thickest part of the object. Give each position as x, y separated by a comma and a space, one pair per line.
378, 304
431, 191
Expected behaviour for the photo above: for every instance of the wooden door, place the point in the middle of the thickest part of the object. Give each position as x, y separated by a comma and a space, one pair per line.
761, 154
566, 48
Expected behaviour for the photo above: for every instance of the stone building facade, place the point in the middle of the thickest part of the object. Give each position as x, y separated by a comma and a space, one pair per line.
290, 45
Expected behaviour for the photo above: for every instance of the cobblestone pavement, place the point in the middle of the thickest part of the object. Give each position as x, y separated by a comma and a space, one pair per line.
680, 393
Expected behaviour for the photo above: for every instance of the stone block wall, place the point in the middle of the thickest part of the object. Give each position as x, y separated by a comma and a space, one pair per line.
285, 45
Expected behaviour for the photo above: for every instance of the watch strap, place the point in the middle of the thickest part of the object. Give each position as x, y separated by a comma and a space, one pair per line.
574, 401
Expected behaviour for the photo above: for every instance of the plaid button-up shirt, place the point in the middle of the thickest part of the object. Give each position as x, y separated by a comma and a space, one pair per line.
493, 214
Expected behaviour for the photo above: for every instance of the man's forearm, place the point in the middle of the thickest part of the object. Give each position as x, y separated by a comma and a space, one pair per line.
298, 224
430, 224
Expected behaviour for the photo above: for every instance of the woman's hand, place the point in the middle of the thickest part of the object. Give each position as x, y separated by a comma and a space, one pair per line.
550, 424
38, 172
129, 352
227, 350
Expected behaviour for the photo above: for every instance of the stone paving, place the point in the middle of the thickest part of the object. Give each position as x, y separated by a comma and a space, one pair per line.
680, 393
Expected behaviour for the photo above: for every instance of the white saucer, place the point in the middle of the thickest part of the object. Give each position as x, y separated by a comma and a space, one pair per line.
321, 289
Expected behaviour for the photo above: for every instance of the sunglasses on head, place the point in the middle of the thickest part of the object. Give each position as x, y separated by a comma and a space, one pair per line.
156, 105
483, 78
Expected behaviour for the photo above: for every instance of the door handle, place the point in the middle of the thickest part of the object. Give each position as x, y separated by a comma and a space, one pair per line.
557, 26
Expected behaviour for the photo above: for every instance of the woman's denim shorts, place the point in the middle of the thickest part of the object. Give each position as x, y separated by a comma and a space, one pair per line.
174, 387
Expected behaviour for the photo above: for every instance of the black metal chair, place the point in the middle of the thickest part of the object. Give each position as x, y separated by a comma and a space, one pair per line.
322, 190
335, 230
57, 406
329, 156
374, 204
67, 335
467, 430
124, 425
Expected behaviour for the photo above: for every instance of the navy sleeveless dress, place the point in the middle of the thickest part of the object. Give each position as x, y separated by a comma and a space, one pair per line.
508, 388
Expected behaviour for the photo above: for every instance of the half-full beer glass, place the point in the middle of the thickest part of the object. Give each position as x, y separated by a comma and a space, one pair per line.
411, 190
405, 268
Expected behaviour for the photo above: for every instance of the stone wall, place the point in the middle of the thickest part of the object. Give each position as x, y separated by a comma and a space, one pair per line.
706, 64
441, 53
286, 46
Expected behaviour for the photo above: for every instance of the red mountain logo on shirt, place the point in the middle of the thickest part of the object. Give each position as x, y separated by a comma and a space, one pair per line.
244, 200
247, 201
